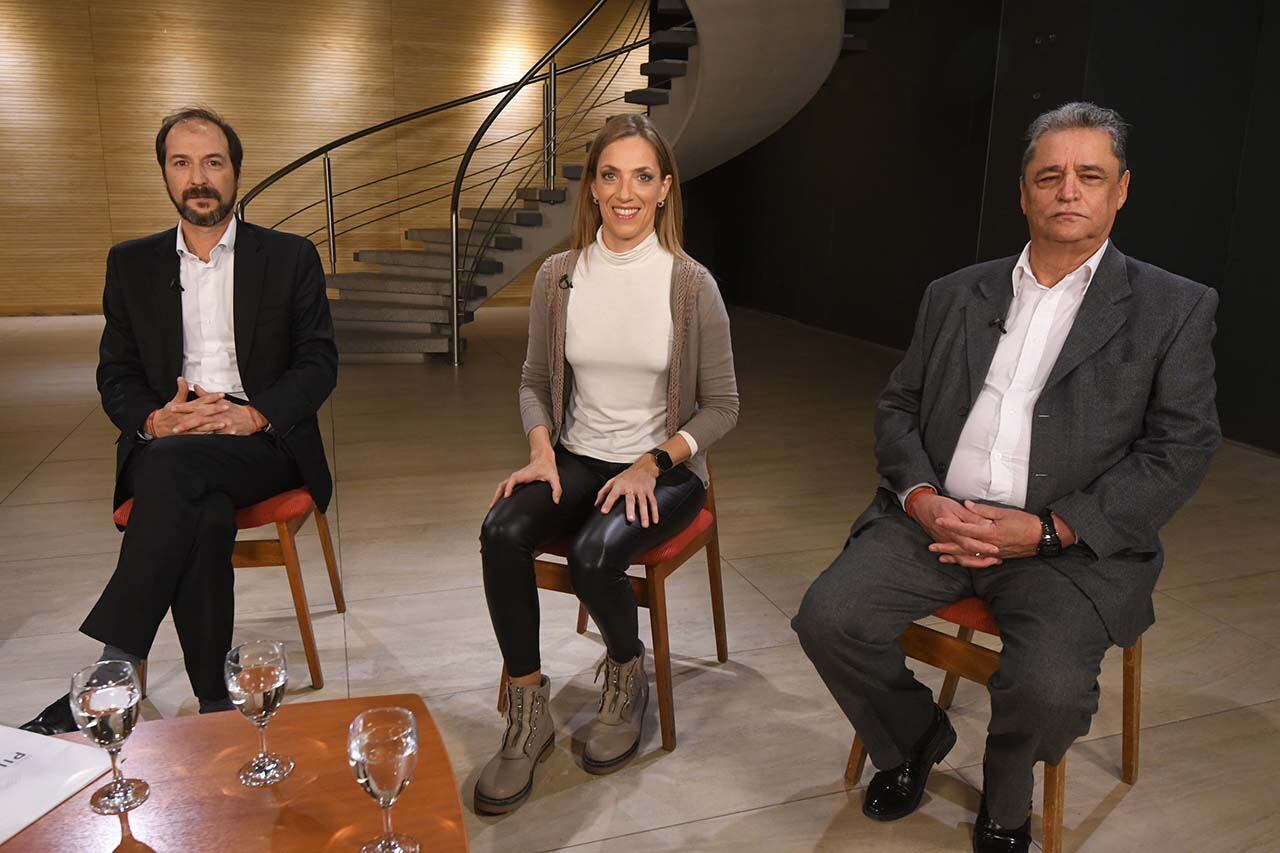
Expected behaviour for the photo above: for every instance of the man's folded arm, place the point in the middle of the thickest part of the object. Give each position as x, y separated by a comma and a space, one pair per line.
313, 367
126, 395
1127, 505
900, 455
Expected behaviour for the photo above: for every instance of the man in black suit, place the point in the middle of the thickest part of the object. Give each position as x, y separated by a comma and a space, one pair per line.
217, 352
1051, 414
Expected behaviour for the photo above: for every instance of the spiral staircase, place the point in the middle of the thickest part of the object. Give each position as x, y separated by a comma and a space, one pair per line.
719, 77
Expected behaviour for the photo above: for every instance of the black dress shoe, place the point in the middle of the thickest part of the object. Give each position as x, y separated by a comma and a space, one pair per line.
896, 792
54, 720
991, 837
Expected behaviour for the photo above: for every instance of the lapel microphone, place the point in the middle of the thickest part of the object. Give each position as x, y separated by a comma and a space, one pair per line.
564, 283
174, 284
998, 323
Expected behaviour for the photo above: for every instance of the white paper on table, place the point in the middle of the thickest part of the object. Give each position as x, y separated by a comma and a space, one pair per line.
39, 772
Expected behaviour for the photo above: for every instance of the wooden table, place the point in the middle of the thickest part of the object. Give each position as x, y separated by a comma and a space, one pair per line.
197, 802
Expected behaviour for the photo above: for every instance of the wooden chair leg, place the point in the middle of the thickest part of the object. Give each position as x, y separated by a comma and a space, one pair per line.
857, 761
662, 658
1055, 783
717, 595
330, 562
1132, 712
293, 569
502, 690
949, 683
142, 676
582, 618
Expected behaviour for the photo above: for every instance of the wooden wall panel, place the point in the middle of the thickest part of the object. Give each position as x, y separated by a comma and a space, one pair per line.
55, 226
288, 76
85, 84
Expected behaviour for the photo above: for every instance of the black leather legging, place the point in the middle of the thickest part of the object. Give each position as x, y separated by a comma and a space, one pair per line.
602, 546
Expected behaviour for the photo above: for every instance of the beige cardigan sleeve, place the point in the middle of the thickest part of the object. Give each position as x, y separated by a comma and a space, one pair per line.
535, 375
717, 388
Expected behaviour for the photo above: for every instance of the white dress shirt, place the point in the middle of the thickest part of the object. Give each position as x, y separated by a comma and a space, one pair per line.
618, 342
993, 454
208, 316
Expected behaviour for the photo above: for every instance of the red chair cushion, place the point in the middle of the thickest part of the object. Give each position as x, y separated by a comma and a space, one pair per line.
285, 506
658, 554
970, 613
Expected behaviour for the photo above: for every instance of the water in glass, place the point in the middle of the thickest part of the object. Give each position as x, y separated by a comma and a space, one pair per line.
382, 749
257, 674
104, 702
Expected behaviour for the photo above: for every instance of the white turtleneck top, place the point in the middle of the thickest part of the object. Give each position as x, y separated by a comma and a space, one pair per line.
618, 342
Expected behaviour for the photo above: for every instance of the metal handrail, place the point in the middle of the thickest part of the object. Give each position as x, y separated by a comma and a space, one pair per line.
284, 171
455, 200
551, 131
551, 144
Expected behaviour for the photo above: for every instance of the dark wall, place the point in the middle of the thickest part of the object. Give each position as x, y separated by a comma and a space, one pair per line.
905, 167
874, 187
1248, 364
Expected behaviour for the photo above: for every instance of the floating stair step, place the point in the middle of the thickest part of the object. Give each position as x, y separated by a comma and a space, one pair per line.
391, 327
349, 310
672, 7
572, 171
675, 37
423, 282
432, 274
540, 194
355, 342
510, 217
650, 97
420, 258
440, 236
444, 250
853, 44
665, 68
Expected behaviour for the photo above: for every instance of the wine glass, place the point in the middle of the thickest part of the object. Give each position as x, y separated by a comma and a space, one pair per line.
257, 673
104, 703
382, 749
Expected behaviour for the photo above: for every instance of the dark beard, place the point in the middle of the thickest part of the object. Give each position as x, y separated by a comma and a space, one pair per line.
204, 220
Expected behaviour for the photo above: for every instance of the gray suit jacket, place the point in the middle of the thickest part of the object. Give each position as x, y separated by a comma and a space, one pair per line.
1123, 430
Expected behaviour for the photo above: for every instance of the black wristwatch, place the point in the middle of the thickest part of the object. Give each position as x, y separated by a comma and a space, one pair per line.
1050, 544
663, 458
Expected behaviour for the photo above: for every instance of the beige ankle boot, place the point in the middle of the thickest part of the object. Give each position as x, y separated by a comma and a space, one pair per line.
614, 736
505, 782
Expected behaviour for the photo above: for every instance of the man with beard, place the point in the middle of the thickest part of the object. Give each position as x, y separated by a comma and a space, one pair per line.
217, 352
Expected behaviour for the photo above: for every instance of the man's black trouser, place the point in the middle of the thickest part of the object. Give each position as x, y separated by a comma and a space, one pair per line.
176, 552
1042, 697
602, 546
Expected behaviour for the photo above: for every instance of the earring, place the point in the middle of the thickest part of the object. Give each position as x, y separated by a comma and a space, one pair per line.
595, 200
661, 203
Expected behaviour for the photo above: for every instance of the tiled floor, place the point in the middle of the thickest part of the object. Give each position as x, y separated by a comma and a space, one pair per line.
417, 450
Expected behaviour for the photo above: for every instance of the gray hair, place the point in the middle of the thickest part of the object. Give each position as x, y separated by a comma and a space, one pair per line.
1079, 114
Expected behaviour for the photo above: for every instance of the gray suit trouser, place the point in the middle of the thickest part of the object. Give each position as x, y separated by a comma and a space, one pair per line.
1042, 697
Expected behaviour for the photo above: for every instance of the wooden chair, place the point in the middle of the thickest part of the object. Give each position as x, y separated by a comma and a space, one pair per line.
650, 591
288, 511
960, 657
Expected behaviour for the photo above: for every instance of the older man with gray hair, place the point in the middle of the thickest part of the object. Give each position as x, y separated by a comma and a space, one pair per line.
1053, 411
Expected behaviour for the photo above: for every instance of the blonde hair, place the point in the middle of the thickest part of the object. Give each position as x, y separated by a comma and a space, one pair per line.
669, 220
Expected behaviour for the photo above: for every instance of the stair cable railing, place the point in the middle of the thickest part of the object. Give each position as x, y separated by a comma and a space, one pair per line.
555, 138
549, 151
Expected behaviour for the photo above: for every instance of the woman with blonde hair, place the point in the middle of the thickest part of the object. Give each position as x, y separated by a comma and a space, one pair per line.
628, 380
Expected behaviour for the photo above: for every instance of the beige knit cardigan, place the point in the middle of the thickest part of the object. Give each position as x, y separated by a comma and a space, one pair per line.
702, 390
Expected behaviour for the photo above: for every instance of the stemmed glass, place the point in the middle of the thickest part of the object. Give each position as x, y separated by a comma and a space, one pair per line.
382, 749
257, 673
104, 703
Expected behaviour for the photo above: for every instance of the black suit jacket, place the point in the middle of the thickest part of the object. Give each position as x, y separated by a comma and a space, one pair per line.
283, 333
1123, 430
